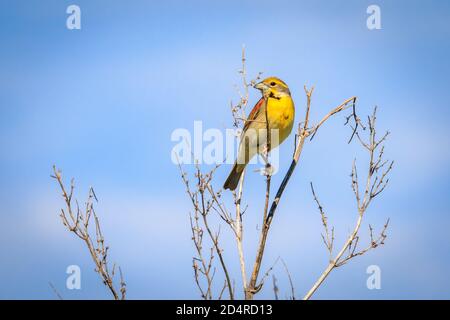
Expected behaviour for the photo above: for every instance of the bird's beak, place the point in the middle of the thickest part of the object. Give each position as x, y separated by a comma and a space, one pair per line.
260, 86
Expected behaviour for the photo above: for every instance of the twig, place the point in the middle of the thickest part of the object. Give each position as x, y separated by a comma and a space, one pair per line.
301, 136
291, 284
375, 184
205, 267
77, 222
252, 287
239, 232
55, 291
202, 207
328, 238
275, 287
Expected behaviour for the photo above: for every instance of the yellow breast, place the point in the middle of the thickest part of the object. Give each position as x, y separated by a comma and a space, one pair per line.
281, 113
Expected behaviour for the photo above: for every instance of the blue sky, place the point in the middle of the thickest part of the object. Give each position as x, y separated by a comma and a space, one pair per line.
102, 102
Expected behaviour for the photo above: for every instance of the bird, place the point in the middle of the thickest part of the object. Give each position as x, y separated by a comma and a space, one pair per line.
276, 99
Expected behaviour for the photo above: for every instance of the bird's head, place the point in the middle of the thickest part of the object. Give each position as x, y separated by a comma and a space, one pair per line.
273, 87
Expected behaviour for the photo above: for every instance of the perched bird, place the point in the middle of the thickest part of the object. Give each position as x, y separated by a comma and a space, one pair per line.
276, 99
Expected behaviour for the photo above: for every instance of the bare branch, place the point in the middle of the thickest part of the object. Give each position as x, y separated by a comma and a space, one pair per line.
55, 291
328, 238
300, 137
275, 287
77, 222
204, 199
291, 284
375, 184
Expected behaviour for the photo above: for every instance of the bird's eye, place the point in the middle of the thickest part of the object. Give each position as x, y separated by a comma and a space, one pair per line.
272, 84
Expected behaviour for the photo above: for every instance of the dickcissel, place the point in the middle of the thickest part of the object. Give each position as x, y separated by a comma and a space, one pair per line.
277, 100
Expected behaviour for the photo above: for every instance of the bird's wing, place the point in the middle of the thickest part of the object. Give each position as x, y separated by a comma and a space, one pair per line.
255, 113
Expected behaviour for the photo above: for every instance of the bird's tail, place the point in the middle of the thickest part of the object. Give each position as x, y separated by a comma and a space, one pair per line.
234, 177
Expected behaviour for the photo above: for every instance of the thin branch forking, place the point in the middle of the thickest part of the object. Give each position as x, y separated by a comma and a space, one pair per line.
375, 184
78, 223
